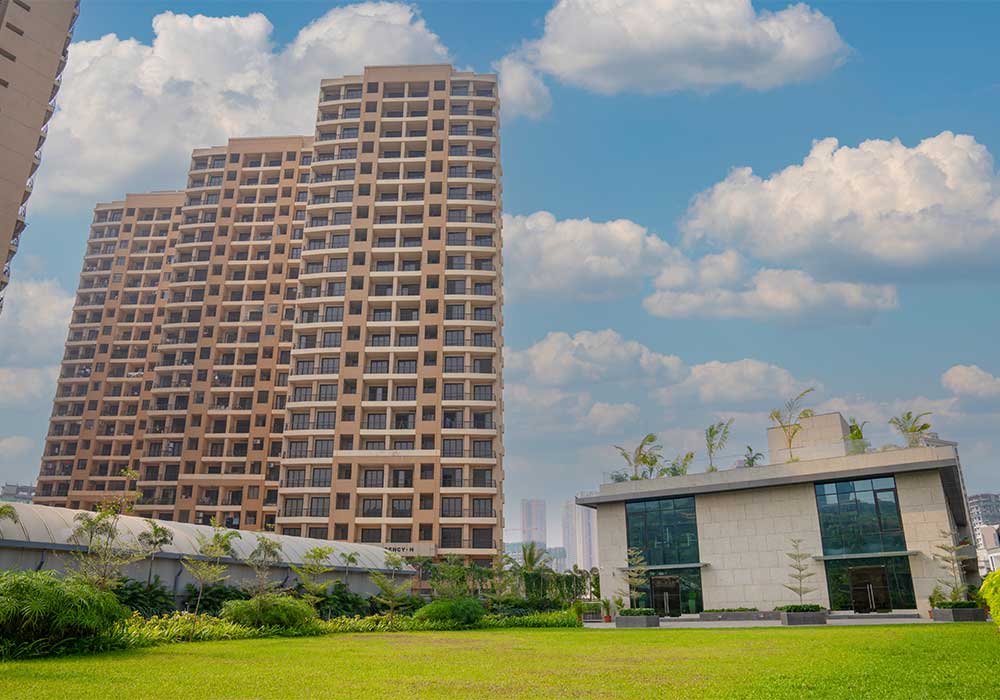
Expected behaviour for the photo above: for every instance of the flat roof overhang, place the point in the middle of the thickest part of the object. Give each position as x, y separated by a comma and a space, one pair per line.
780, 475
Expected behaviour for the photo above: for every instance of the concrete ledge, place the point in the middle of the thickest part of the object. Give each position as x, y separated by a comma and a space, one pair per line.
630, 621
740, 616
803, 618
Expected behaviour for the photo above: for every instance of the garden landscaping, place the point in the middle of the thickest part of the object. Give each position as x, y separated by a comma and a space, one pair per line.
953, 661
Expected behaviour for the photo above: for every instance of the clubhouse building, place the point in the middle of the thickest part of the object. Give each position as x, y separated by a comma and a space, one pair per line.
870, 521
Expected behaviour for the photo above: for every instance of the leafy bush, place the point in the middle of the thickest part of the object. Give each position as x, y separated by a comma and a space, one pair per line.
636, 612
41, 614
275, 610
339, 601
951, 604
724, 610
408, 605
464, 611
808, 607
514, 606
148, 601
214, 597
592, 606
989, 593
182, 626
545, 619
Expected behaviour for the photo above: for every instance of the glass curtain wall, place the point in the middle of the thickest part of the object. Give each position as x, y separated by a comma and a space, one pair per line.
665, 530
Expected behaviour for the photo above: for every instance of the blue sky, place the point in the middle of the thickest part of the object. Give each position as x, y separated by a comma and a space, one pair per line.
871, 274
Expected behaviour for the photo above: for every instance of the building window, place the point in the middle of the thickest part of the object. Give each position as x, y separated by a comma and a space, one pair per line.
860, 517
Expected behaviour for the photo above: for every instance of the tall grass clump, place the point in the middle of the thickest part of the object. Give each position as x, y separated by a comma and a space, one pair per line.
43, 615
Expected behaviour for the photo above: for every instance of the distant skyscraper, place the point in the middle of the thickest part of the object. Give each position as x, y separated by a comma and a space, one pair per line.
984, 509
533, 521
578, 528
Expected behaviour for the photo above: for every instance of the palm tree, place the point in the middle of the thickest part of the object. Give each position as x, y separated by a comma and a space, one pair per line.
534, 565
348, 559
153, 541
716, 437
643, 460
678, 465
910, 426
751, 458
787, 418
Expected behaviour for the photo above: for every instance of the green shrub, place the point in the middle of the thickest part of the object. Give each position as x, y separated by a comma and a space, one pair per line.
951, 604
989, 593
182, 626
723, 610
214, 597
464, 611
272, 610
41, 614
516, 606
148, 601
592, 606
408, 605
339, 601
808, 607
636, 612
562, 618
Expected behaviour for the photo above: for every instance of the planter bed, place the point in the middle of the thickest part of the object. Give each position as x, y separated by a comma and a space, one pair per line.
804, 618
630, 621
958, 614
739, 616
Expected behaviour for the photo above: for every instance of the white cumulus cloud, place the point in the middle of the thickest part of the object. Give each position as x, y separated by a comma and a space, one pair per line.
590, 356
744, 380
33, 324
657, 46
130, 113
972, 381
24, 385
879, 206
578, 258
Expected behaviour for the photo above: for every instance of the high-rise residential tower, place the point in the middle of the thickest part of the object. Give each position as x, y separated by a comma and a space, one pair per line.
984, 509
533, 527
34, 38
321, 350
579, 528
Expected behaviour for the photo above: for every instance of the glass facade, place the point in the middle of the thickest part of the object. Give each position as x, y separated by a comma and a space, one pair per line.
860, 516
897, 575
666, 532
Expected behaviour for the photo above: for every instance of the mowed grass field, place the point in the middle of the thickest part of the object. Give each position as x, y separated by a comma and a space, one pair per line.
946, 661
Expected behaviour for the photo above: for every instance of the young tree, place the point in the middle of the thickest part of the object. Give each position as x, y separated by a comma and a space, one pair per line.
7, 512
635, 574
106, 554
643, 461
787, 418
153, 540
348, 559
450, 578
750, 458
208, 569
595, 582
799, 565
950, 556
716, 437
911, 427
313, 567
534, 568
261, 560
391, 594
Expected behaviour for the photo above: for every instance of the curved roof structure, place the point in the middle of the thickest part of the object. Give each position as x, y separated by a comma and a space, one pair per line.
47, 527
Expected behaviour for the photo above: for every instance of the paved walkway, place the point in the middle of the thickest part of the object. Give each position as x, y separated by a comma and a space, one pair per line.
694, 623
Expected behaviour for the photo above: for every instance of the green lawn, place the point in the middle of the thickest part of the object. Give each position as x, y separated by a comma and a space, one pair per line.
946, 661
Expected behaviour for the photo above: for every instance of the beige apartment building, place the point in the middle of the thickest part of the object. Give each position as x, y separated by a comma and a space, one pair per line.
869, 519
308, 339
34, 38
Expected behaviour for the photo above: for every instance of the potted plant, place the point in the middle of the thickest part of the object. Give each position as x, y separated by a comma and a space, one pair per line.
803, 613
637, 617
606, 609
955, 605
